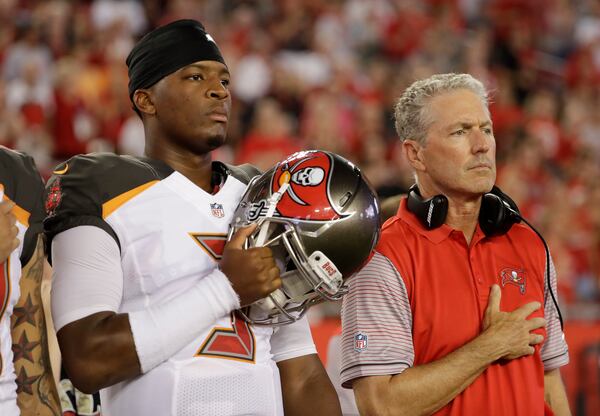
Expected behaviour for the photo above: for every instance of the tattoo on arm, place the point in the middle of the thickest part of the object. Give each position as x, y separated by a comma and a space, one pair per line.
25, 313
36, 389
25, 382
23, 348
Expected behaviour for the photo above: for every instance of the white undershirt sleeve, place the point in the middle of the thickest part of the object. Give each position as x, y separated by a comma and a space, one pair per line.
159, 331
87, 274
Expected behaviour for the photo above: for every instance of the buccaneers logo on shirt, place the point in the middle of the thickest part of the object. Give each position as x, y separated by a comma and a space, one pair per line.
514, 277
307, 196
54, 196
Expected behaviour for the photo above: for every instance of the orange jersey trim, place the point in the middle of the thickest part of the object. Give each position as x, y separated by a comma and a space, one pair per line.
21, 214
62, 171
111, 206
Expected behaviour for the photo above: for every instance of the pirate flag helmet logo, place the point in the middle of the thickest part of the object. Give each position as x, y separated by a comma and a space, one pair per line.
320, 217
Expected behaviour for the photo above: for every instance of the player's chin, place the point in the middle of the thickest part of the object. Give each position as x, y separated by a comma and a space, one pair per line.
205, 143
213, 133
214, 142
212, 139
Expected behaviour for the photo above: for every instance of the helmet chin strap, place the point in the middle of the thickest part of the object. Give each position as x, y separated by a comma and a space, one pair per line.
273, 201
268, 304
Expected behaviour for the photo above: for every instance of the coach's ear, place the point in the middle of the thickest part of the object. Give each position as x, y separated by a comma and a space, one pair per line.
142, 99
413, 151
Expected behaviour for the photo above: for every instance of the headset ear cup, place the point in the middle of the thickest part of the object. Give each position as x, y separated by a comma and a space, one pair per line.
431, 212
490, 214
494, 216
505, 198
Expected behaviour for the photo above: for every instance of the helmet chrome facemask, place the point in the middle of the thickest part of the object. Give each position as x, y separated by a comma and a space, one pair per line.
311, 280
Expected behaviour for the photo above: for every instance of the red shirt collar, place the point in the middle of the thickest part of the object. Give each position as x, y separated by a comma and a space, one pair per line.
437, 235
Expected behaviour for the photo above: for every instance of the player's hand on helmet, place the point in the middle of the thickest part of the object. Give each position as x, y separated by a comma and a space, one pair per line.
511, 333
8, 230
252, 272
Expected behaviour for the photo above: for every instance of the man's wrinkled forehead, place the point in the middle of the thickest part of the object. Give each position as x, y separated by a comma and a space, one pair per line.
456, 107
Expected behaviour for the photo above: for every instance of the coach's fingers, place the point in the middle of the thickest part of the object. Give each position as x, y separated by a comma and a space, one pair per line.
494, 300
524, 311
535, 323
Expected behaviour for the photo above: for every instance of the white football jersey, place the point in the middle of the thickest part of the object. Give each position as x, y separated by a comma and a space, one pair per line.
20, 183
171, 234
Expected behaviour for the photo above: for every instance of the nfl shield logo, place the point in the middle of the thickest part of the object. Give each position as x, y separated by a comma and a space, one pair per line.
360, 342
217, 210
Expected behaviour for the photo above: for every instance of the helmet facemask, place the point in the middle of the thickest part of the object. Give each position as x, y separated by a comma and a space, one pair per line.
306, 280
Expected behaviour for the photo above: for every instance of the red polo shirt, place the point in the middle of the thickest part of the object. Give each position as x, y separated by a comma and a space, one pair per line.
423, 295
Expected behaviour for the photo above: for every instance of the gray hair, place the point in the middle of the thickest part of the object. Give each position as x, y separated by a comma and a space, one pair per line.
410, 112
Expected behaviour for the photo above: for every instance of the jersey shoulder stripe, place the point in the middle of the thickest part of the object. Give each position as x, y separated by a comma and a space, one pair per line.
110, 206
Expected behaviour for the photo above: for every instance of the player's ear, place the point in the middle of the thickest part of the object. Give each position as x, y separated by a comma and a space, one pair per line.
142, 99
413, 151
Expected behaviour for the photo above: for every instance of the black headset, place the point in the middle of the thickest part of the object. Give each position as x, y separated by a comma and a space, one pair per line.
498, 213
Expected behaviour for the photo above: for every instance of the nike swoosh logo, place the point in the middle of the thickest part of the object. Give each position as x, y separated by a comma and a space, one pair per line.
62, 171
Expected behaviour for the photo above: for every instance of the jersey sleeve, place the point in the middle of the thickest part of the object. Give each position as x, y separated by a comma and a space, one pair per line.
376, 323
23, 185
74, 197
555, 352
291, 341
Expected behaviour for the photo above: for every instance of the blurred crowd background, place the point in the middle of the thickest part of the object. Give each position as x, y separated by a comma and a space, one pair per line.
325, 74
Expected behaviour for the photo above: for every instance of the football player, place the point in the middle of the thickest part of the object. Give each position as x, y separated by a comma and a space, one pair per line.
146, 287
26, 383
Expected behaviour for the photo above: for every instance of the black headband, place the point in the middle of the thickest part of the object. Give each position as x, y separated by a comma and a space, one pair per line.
167, 49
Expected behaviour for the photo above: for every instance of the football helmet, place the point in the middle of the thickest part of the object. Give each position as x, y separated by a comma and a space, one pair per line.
320, 217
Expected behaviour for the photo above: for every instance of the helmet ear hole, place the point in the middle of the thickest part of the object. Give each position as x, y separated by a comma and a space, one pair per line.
344, 199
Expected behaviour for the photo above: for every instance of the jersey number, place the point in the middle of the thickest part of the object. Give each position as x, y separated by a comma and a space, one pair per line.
235, 343
4, 295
